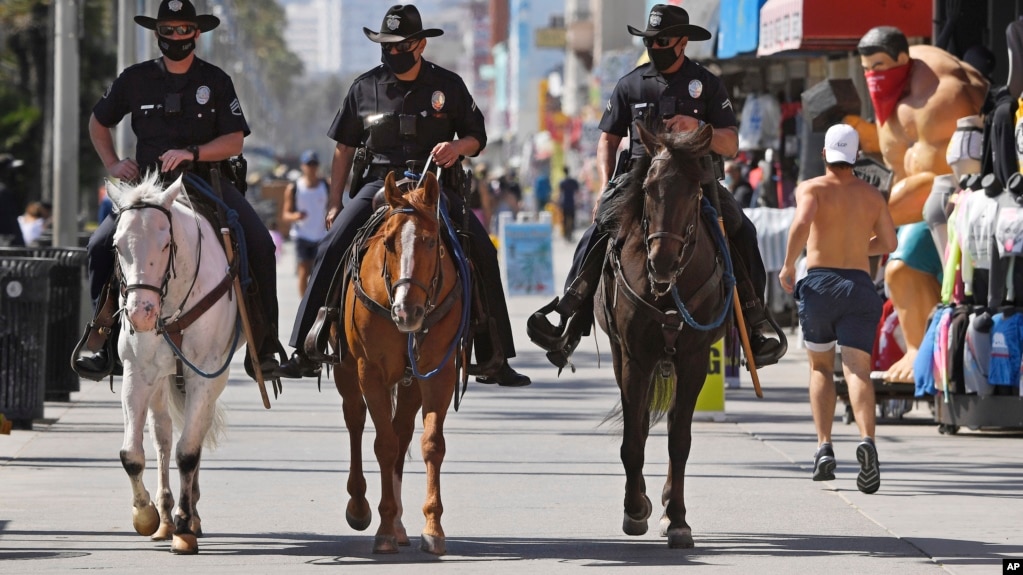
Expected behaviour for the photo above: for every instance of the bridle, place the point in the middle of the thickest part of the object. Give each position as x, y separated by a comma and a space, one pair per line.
168, 273
435, 282
680, 263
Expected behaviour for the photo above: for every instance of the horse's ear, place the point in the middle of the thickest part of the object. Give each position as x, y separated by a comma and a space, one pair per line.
704, 137
432, 189
392, 194
648, 139
171, 193
115, 192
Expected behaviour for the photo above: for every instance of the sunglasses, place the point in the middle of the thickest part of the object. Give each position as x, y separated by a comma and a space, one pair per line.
404, 46
660, 42
181, 30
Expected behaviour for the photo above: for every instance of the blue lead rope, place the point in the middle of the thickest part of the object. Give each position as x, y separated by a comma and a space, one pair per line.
232, 221
234, 345
711, 216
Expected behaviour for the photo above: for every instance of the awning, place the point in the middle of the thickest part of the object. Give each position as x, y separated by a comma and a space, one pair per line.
827, 25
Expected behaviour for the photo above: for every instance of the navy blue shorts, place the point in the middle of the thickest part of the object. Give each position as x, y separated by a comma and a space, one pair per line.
305, 250
838, 305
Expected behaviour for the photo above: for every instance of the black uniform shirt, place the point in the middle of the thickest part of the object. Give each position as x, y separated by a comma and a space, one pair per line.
436, 106
646, 95
208, 108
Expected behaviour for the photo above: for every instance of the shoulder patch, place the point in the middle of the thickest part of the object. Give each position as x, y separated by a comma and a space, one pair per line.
236, 107
726, 104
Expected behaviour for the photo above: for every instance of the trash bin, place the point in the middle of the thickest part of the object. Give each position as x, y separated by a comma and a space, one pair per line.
63, 314
24, 298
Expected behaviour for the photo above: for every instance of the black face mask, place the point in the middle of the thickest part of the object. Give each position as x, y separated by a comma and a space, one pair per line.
176, 50
398, 63
662, 59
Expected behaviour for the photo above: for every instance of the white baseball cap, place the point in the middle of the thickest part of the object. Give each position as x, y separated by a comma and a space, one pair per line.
841, 144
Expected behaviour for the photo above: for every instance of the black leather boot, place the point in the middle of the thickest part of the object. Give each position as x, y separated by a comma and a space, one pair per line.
299, 366
766, 349
99, 365
505, 376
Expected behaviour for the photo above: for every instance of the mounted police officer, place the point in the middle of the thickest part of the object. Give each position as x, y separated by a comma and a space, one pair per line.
670, 93
186, 115
394, 118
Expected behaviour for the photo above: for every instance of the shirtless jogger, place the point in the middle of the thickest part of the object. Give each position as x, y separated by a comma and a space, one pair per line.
841, 220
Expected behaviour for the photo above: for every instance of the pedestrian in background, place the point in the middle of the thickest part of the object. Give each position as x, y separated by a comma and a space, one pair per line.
34, 221
567, 189
305, 207
842, 220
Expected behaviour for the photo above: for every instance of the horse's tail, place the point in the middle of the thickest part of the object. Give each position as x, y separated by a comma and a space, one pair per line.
217, 426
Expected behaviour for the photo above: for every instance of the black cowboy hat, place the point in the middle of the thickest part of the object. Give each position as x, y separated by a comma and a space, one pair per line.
182, 10
670, 21
402, 22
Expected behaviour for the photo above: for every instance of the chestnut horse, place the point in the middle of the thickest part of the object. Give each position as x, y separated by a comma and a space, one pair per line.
405, 286
172, 272
663, 299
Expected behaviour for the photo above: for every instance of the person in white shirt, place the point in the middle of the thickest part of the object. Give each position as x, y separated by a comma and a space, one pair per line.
305, 206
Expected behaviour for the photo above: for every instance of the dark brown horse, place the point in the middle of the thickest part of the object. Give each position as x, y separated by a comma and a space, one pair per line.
663, 301
405, 285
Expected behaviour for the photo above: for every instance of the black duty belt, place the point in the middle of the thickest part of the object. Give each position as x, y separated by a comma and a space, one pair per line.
380, 171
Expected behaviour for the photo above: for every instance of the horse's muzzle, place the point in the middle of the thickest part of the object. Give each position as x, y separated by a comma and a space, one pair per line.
142, 312
662, 265
408, 319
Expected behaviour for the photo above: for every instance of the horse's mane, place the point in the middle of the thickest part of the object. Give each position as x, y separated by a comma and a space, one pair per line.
625, 209
147, 190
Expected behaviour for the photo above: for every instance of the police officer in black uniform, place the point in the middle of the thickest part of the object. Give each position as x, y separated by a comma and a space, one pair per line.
186, 115
670, 93
403, 112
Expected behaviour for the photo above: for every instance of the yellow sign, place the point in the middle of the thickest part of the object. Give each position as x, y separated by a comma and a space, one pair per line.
711, 402
550, 38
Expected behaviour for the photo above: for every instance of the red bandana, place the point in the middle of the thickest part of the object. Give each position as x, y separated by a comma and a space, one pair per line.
885, 89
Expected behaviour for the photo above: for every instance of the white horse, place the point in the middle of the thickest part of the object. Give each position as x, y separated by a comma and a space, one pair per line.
169, 259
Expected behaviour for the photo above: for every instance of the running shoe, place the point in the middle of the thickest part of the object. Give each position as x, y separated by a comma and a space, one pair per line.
869, 479
824, 463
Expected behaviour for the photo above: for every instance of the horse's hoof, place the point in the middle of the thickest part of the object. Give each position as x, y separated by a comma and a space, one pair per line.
680, 538
185, 544
634, 527
165, 532
146, 520
638, 526
358, 523
385, 544
664, 524
195, 525
402, 535
433, 544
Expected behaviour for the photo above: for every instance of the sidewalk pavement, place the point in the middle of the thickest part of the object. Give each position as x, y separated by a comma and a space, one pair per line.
532, 482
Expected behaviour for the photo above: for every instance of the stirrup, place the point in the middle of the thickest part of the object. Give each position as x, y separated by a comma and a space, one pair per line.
541, 331
317, 340
783, 345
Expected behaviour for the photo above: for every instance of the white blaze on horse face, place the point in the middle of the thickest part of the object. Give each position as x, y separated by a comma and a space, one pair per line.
143, 241
407, 315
